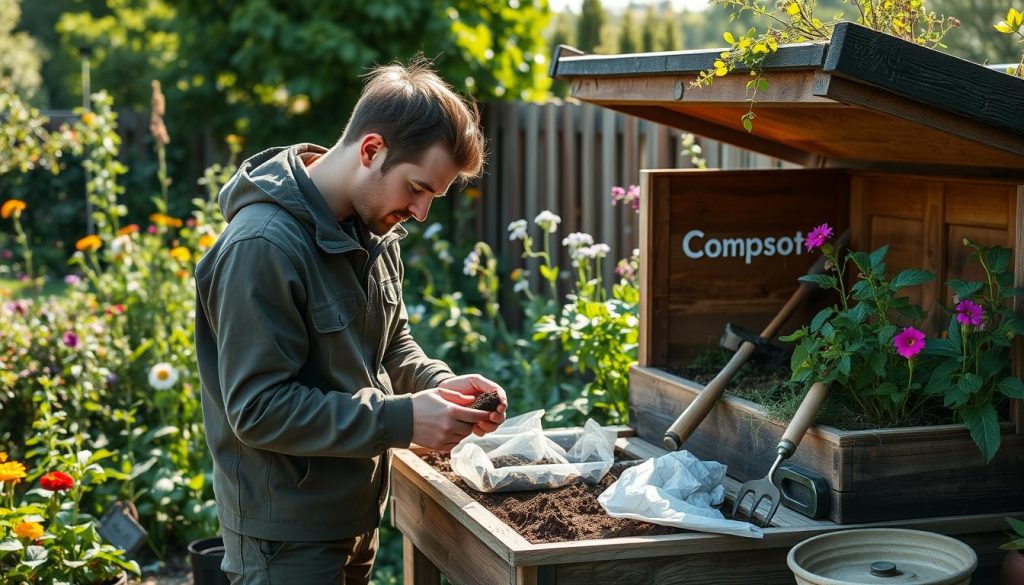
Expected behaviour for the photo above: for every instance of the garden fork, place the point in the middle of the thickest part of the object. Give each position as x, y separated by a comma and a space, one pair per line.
765, 488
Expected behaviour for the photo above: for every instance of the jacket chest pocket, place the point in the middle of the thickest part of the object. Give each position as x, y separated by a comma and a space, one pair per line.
336, 340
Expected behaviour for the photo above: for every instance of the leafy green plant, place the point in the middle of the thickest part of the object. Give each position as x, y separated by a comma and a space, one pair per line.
1016, 536
972, 369
795, 21
871, 347
850, 345
45, 537
1012, 25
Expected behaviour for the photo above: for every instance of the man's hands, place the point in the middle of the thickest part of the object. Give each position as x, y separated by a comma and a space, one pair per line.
469, 387
440, 415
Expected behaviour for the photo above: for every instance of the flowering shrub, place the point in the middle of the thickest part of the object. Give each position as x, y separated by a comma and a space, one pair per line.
45, 538
1013, 24
872, 347
111, 362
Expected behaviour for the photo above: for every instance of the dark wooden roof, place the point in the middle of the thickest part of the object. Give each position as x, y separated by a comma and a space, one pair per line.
863, 99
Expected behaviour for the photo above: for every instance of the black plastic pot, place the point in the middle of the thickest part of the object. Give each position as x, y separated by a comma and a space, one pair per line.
206, 556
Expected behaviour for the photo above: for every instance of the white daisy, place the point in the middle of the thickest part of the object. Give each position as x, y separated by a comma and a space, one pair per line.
163, 376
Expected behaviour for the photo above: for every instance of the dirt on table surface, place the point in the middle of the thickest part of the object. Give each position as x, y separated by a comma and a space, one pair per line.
555, 515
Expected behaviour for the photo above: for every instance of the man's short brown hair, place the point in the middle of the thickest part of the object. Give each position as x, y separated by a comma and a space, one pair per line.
412, 108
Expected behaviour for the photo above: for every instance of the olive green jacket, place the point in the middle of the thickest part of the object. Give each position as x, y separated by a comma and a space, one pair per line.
305, 358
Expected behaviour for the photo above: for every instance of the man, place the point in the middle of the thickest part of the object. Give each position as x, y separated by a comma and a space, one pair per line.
309, 373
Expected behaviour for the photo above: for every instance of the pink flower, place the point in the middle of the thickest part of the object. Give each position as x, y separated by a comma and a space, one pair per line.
818, 236
969, 312
909, 342
72, 280
70, 339
151, 229
617, 194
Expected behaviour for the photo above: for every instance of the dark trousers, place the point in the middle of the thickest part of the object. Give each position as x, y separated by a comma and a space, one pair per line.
254, 561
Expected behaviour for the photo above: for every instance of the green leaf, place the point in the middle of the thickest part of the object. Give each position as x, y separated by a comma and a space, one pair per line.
1017, 526
823, 281
748, 124
970, 383
954, 334
941, 379
998, 258
858, 314
964, 289
941, 347
794, 336
911, 277
1015, 291
550, 273
844, 365
820, 318
862, 261
762, 85
877, 362
984, 426
1012, 387
878, 259
886, 389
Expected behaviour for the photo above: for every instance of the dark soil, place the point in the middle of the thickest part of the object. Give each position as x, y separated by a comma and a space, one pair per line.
516, 460
488, 401
557, 515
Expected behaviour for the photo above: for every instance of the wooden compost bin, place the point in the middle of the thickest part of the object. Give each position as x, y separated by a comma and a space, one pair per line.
902, 145
912, 148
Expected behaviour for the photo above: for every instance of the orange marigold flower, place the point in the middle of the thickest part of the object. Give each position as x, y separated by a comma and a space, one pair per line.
56, 481
206, 240
162, 219
29, 530
12, 207
473, 193
88, 118
181, 254
183, 274
128, 229
89, 243
3, 456
12, 471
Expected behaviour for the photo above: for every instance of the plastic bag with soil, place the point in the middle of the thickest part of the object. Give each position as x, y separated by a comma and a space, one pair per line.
518, 457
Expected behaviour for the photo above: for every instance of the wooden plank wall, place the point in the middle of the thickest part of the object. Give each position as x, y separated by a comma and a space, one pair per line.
566, 157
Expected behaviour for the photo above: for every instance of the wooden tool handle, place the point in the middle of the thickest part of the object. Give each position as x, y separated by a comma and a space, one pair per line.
683, 427
803, 419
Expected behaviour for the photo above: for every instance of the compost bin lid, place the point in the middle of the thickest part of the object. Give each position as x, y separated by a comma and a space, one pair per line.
864, 99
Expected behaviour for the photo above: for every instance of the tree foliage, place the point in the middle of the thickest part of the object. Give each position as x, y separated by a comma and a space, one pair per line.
588, 28
291, 71
20, 55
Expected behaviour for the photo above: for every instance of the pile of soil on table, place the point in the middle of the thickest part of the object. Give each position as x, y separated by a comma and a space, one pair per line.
556, 515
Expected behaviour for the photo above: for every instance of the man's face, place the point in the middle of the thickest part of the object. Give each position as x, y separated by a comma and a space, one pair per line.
383, 201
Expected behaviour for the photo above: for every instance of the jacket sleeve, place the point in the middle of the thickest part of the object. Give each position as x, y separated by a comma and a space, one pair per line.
256, 312
407, 364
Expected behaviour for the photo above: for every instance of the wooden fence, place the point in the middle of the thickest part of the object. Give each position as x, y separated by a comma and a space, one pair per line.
566, 157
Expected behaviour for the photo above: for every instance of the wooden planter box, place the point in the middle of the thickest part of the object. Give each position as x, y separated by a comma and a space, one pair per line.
912, 148
448, 532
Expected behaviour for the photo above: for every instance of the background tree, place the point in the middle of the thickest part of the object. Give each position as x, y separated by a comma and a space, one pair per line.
629, 35
672, 35
588, 28
650, 34
20, 55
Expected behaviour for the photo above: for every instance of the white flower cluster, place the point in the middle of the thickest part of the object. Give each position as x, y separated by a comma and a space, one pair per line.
517, 230
594, 251
548, 221
471, 265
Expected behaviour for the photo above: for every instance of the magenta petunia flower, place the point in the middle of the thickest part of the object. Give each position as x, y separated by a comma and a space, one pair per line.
909, 342
969, 312
818, 236
70, 339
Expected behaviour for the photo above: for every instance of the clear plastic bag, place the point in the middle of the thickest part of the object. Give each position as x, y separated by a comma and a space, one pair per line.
518, 457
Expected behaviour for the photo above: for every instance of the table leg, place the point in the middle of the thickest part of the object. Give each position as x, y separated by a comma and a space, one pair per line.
416, 567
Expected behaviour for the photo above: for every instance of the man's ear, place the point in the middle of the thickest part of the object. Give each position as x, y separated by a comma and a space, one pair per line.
371, 148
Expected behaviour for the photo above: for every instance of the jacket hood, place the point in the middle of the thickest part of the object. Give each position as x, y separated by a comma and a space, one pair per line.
278, 176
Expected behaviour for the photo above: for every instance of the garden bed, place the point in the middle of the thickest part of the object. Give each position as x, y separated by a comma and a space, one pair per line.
567, 513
